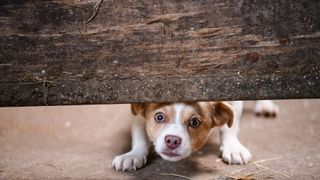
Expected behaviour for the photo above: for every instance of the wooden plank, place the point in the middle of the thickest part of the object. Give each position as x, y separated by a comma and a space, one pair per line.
143, 51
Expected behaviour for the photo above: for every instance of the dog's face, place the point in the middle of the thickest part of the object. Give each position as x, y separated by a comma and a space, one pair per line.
179, 129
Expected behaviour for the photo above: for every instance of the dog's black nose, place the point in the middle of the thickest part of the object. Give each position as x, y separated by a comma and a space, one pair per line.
172, 142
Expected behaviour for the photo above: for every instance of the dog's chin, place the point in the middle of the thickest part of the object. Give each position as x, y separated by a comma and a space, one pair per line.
170, 156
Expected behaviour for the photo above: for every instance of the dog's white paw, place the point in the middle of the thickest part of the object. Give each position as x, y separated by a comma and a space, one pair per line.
129, 161
233, 152
266, 108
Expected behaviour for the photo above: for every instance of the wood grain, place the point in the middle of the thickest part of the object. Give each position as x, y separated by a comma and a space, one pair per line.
163, 51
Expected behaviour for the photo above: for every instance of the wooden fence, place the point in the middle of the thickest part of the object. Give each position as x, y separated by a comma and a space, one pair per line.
67, 52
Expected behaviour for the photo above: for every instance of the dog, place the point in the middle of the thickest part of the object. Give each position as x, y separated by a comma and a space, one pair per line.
178, 129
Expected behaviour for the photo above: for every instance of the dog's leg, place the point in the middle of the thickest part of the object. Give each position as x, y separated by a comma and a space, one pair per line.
137, 156
265, 108
233, 152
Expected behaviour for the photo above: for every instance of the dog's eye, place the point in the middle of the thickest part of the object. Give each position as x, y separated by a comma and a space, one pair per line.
194, 122
159, 117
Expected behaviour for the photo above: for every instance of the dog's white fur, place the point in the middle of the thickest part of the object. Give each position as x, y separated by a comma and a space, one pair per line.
232, 150
137, 157
265, 107
176, 129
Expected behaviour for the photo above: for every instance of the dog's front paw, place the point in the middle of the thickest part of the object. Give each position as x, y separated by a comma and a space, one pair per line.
233, 152
266, 108
129, 161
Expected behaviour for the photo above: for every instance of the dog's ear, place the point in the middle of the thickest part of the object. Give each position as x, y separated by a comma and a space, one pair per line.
138, 108
221, 113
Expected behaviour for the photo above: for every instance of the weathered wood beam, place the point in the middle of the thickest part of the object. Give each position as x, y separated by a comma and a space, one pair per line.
143, 51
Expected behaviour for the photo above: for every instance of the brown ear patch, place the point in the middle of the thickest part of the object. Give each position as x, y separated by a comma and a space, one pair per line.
138, 108
222, 113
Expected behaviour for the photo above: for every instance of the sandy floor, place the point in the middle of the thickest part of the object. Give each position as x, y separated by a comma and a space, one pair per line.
80, 142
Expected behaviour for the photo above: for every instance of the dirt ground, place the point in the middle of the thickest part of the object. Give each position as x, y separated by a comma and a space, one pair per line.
79, 142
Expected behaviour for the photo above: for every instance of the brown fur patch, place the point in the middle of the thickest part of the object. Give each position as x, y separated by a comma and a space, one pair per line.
222, 113
138, 108
154, 128
199, 135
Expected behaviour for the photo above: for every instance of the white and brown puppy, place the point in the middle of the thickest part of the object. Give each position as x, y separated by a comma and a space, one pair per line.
179, 129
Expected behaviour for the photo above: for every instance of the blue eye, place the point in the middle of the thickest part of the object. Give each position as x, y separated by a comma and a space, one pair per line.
194, 122
159, 117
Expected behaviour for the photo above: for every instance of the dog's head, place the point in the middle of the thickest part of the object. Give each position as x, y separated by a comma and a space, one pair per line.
179, 129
